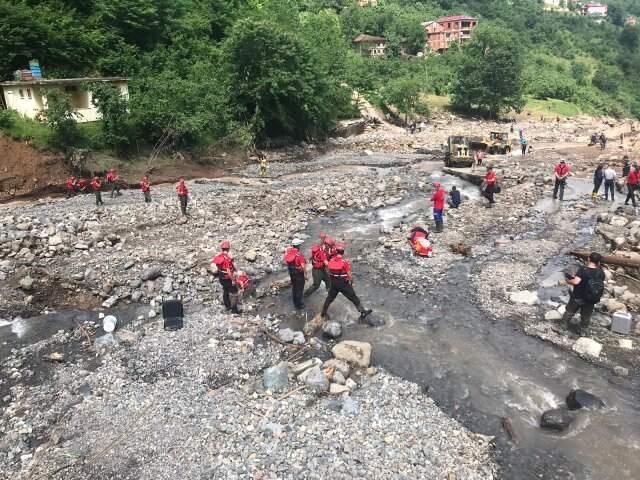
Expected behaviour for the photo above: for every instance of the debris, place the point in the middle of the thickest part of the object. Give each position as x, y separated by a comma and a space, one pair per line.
54, 357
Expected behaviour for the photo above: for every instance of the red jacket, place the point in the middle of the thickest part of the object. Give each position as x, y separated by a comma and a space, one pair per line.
144, 186
319, 257
181, 188
438, 199
491, 178
562, 170
295, 260
339, 267
111, 177
225, 265
633, 178
96, 185
72, 183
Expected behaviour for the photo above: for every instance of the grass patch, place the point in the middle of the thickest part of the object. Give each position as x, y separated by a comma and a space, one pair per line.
437, 102
22, 128
551, 106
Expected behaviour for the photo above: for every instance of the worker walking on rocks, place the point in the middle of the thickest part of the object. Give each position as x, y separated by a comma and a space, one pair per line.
71, 186
598, 178
603, 141
226, 271
330, 247
561, 172
297, 266
626, 167
342, 282
146, 189
632, 185
588, 287
320, 263
96, 185
438, 199
183, 195
489, 185
112, 182
609, 183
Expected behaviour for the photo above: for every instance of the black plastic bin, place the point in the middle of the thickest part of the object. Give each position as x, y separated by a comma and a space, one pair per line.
173, 314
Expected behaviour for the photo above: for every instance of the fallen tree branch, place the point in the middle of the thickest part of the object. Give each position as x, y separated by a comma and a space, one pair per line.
621, 259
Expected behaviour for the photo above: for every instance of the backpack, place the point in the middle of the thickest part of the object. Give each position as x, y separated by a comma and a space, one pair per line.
290, 256
594, 289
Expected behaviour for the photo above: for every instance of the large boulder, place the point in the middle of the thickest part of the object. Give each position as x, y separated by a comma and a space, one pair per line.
578, 399
587, 347
525, 297
356, 353
557, 419
276, 378
151, 273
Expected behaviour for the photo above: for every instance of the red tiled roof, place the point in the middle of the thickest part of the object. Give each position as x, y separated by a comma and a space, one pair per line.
455, 18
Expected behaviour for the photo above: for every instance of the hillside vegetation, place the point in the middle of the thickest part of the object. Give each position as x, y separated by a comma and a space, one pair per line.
241, 71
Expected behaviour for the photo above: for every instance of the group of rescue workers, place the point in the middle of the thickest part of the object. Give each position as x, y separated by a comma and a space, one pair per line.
76, 185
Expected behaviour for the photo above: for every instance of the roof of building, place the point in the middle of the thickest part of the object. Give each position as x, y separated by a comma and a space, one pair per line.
61, 81
589, 5
455, 18
368, 38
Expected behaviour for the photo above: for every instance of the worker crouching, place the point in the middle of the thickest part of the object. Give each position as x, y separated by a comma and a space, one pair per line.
342, 282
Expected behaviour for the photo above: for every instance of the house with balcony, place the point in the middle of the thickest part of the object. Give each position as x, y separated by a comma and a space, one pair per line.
446, 31
29, 97
598, 10
371, 45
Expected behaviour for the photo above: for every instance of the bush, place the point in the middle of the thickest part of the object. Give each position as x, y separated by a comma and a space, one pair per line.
7, 119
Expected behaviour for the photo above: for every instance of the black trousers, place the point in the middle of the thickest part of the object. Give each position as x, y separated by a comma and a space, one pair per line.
559, 188
115, 188
229, 294
524, 149
596, 186
319, 275
147, 197
609, 187
574, 306
99, 198
183, 203
488, 193
340, 285
631, 194
297, 288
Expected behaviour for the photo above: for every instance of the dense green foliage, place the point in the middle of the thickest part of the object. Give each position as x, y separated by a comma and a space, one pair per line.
239, 71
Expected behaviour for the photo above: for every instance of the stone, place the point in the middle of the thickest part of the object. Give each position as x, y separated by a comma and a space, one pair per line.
26, 283
350, 407
316, 379
337, 377
557, 419
374, 320
356, 353
298, 338
81, 246
621, 371
614, 305
578, 399
286, 335
625, 344
588, 347
136, 296
338, 366
151, 273
251, 256
336, 389
127, 336
167, 287
299, 368
552, 316
524, 297
332, 329
351, 384
110, 302
55, 241
276, 378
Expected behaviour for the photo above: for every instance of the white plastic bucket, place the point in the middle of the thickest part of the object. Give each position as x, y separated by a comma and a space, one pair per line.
109, 323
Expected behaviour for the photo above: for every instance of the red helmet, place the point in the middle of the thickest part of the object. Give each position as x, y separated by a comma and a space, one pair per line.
329, 241
225, 245
340, 246
436, 184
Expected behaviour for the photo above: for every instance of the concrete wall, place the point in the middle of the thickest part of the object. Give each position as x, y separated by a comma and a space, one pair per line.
30, 100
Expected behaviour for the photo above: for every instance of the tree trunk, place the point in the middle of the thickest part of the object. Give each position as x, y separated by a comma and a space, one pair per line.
621, 259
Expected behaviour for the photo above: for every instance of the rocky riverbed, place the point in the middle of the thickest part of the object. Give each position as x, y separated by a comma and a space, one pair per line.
146, 403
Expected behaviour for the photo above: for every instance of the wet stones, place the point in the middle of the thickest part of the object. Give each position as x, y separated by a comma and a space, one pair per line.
356, 353
557, 419
26, 284
587, 347
524, 297
332, 329
316, 380
578, 399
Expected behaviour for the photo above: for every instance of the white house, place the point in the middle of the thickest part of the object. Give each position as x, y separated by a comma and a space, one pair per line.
595, 10
29, 97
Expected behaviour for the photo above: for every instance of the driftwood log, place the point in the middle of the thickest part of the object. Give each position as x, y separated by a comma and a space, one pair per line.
621, 259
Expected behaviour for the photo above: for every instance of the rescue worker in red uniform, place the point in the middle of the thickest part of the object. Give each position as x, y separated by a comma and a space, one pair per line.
183, 195
112, 182
490, 182
83, 184
561, 172
342, 282
330, 247
96, 185
438, 199
227, 276
633, 180
319, 262
297, 266
72, 186
146, 189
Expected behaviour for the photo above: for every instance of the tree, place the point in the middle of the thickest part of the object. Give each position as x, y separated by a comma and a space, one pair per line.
488, 78
61, 118
404, 94
114, 109
630, 37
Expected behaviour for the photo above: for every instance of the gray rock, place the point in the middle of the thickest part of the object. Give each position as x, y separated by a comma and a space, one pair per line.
578, 399
136, 296
357, 353
55, 241
350, 407
81, 246
110, 302
298, 338
151, 273
168, 285
339, 365
621, 371
557, 419
276, 378
251, 256
316, 379
374, 320
129, 264
26, 283
332, 329
552, 316
286, 335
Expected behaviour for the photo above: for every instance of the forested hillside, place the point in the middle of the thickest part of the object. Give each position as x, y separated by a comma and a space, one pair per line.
238, 70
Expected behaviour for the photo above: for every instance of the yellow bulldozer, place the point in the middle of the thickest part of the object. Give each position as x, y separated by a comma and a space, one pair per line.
458, 153
498, 143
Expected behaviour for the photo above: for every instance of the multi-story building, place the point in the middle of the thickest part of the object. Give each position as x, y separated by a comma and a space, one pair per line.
445, 31
595, 9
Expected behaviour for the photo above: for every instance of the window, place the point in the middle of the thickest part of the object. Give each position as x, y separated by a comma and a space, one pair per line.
29, 93
21, 92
